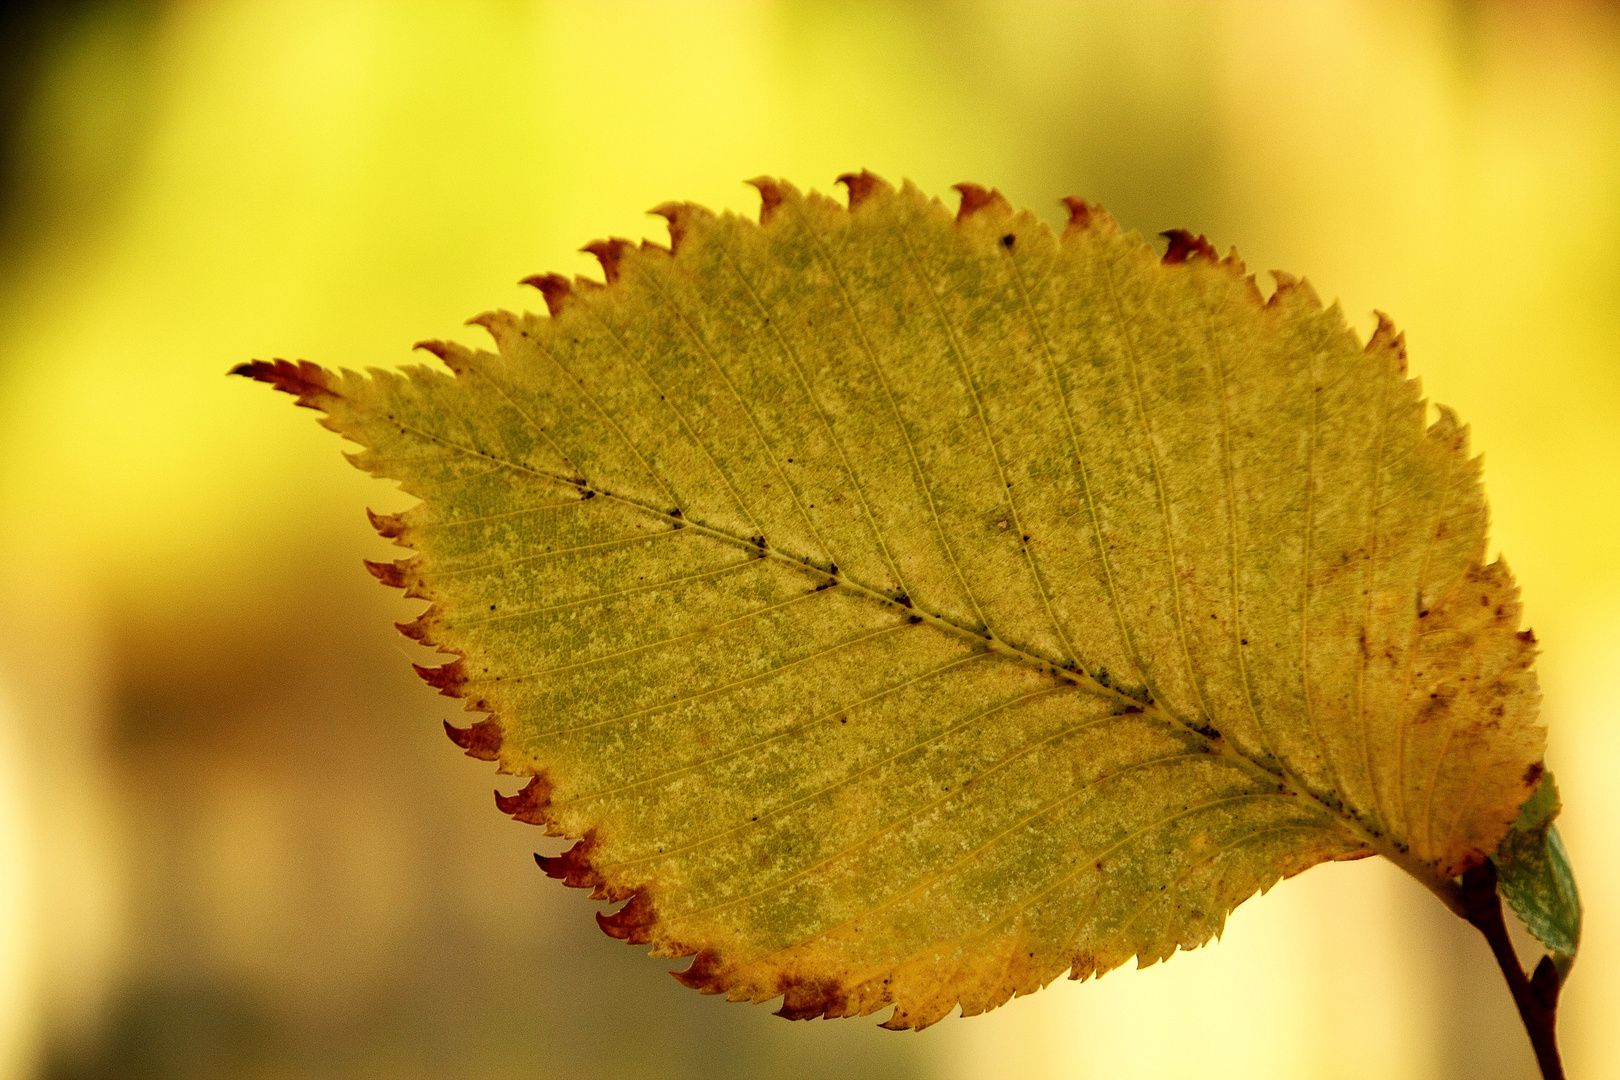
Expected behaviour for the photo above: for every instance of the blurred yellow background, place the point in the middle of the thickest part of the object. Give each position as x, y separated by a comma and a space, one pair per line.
233, 840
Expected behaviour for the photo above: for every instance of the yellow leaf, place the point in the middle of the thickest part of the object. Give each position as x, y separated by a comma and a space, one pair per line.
908, 608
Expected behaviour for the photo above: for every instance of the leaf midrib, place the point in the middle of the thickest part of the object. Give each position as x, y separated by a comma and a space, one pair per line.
1446, 890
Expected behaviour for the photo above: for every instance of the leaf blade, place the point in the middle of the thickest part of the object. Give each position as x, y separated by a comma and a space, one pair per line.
807, 557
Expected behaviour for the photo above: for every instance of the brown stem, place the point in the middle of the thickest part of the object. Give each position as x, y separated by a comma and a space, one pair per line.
1537, 996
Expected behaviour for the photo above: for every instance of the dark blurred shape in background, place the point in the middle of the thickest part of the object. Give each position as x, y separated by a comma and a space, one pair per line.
233, 839
38, 37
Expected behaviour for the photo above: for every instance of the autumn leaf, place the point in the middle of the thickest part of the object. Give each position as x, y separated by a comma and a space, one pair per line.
907, 608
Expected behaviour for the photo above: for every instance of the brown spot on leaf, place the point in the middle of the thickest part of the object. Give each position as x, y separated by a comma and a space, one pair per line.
1532, 774
863, 185
1526, 636
1184, 245
528, 805
481, 740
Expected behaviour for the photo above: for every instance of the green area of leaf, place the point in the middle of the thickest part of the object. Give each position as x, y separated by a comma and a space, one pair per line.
907, 608
1535, 877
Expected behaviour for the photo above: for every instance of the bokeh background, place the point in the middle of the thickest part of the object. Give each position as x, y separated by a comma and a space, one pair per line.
233, 839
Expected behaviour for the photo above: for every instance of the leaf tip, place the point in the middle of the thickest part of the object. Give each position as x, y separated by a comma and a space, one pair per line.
303, 380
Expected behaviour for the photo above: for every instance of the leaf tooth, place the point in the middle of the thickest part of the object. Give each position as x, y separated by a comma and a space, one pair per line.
706, 974
1184, 245
481, 740
682, 218
1085, 215
420, 628
390, 526
453, 356
1385, 337
863, 186
397, 574
1293, 290
556, 289
448, 679
608, 252
500, 324
574, 867
633, 922
528, 805
976, 199
773, 192
806, 999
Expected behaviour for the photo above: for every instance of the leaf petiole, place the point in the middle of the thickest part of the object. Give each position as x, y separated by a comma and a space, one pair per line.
1537, 995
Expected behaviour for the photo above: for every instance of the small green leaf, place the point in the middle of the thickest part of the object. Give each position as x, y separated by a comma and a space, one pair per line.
1534, 876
